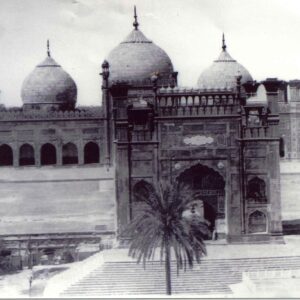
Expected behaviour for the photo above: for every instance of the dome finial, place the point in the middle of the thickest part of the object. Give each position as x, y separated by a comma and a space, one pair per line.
48, 48
135, 23
223, 42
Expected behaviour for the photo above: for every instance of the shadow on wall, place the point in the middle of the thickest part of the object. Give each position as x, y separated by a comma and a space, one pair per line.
290, 227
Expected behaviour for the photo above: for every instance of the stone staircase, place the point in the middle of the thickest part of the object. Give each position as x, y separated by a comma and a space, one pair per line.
211, 277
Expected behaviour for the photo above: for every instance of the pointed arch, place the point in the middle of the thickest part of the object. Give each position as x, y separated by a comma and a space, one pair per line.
141, 190
256, 190
197, 101
257, 222
202, 177
162, 101
140, 193
208, 187
190, 101
281, 147
69, 154
6, 155
183, 101
210, 100
26, 155
91, 153
48, 154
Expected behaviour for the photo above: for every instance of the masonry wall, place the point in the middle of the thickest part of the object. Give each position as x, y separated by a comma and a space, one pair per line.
56, 199
289, 127
290, 190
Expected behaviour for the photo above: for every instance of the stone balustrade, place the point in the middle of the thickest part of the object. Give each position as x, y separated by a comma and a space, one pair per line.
21, 115
175, 101
256, 132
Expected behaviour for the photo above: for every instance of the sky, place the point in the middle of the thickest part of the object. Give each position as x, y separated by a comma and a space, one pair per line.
263, 35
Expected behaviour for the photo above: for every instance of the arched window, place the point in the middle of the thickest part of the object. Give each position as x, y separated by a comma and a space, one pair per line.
162, 101
190, 101
217, 100
254, 119
256, 190
69, 154
6, 155
141, 191
210, 100
26, 155
224, 100
281, 147
183, 101
257, 222
91, 153
48, 154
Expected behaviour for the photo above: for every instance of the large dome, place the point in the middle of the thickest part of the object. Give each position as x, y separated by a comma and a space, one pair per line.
48, 84
137, 58
222, 73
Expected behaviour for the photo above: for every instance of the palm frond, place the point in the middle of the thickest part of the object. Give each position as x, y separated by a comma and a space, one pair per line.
160, 224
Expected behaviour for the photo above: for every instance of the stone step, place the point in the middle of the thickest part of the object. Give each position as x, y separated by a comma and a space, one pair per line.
101, 292
204, 263
178, 284
210, 277
212, 270
162, 286
144, 280
200, 267
150, 292
181, 276
214, 261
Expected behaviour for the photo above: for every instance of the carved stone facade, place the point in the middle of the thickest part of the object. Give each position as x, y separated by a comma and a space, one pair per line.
206, 139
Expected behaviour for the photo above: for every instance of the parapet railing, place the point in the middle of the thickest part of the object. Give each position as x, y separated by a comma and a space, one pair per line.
256, 132
182, 102
135, 135
161, 82
141, 135
52, 115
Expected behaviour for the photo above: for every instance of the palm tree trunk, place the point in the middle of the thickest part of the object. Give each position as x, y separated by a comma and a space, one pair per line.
168, 267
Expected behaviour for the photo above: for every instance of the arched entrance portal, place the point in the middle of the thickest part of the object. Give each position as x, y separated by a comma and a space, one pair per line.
209, 196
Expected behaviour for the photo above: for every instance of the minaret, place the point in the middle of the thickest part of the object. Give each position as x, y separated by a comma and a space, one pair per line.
223, 42
107, 111
135, 23
48, 48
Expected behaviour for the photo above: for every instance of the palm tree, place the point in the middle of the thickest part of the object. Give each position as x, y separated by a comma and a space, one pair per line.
162, 223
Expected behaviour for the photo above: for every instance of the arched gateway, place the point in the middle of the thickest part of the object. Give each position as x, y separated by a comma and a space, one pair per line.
209, 192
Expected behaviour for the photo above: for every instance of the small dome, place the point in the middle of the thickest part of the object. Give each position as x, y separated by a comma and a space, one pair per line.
222, 73
137, 58
260, 99
49, 84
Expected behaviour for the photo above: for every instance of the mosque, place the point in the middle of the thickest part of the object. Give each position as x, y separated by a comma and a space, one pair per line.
69, 169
